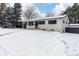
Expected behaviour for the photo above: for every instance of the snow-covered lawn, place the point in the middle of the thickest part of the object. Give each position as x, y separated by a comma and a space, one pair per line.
37, 42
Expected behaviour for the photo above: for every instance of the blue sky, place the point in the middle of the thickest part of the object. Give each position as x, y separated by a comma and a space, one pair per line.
42, 8
54, 8
46, 7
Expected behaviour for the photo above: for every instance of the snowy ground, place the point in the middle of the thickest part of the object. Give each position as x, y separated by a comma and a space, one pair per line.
24, 42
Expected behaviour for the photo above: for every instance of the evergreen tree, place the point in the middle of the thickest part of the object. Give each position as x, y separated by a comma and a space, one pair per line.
17, 13
7, 22
73, 13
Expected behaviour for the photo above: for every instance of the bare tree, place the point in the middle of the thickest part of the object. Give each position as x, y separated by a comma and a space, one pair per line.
49, 14
2, 8
31, 13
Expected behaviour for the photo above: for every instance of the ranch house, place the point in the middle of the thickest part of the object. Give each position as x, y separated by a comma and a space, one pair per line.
56, 23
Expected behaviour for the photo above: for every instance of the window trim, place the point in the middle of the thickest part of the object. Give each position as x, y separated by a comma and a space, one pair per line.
52, 21
42, 22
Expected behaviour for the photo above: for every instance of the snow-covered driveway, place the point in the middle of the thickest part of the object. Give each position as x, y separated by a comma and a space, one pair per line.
30, 42
36, 42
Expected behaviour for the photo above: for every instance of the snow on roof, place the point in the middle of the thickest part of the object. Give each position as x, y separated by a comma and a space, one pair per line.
44, 18
73, 24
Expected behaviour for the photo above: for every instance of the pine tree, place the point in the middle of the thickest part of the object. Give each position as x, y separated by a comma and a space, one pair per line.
17, 13
7, 22
73, 13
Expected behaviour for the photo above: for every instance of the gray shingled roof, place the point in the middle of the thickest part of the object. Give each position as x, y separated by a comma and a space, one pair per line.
44, 18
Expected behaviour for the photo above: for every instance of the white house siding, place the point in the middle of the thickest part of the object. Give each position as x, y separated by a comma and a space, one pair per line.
56, 27
65, 24
23, 24
59, 26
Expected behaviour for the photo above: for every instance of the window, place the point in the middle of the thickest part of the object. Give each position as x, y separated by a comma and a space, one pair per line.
52, 21
41, 22
31, 23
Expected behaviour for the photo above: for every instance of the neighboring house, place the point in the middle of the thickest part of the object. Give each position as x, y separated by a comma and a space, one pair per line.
48, 23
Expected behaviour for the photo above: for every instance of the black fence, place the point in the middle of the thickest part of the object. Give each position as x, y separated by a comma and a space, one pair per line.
72, 30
